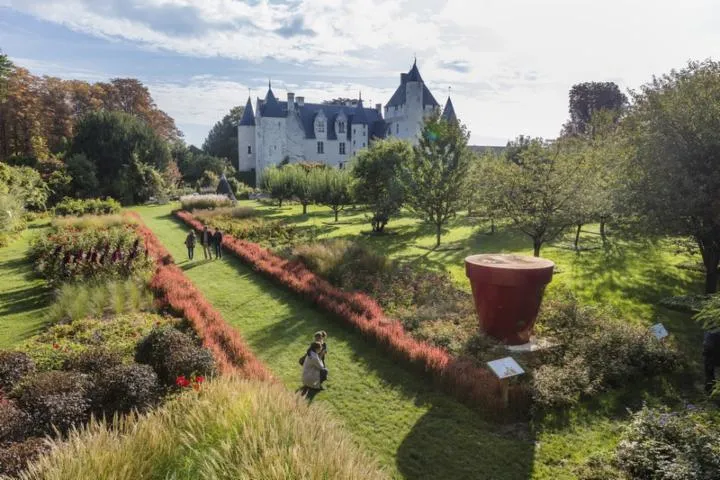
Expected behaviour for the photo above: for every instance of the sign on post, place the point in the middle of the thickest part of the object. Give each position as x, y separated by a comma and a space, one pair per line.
504, 369
659, 331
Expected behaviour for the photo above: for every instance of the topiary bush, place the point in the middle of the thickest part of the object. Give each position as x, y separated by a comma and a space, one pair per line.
54, 399
13, 422
13, 367
14, 458
663, 445
93, 360
122, 388
172, 353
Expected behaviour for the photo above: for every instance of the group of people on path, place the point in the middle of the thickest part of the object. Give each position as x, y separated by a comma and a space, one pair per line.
313, 362
210, 242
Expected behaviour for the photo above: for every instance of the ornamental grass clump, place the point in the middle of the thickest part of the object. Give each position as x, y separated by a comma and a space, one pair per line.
229, 429
191, 202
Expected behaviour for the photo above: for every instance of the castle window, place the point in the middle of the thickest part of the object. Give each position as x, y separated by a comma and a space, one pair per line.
321, 147
341, 166
363, 144
397, 129
249, 150
341, 146
320, 126
341, 127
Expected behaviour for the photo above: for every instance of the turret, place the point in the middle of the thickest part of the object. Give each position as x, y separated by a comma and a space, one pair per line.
246, 139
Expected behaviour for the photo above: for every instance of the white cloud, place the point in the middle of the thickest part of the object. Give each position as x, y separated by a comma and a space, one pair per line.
517, 58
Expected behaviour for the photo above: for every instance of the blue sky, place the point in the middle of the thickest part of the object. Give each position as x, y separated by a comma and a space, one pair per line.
508, 65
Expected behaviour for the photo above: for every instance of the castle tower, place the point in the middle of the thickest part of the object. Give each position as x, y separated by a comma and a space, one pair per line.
360, 127
270, 134
448, 113
246, 139
409, 105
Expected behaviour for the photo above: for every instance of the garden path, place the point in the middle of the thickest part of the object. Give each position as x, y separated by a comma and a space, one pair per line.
416, 431
24, 298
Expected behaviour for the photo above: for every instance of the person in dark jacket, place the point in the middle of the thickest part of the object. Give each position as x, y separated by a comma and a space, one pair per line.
711, 357
190, 243
217, 242
205, 241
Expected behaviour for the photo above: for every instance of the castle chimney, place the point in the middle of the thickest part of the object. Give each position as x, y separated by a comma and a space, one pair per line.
300, 101
291, 101
403, 77
378, 107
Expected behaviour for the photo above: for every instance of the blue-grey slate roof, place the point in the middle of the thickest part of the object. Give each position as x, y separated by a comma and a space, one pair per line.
271, 107
413, 75
449, 112
248, 118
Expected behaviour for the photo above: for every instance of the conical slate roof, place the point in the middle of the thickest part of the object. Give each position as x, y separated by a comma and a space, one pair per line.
449, 112
359, 116
248, 118
271, 107
223, 188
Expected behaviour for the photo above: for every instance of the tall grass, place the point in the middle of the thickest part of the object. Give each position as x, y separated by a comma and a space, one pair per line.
75, 301
190, 202
225, 212
231, 429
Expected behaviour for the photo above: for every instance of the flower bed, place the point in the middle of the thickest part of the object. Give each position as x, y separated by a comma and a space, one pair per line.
462, 378
174, 290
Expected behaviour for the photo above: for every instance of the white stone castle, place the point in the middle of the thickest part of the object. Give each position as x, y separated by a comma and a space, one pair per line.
297, 131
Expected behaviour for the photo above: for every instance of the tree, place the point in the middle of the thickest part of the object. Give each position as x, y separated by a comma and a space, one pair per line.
6, 67
377, 174
333, 188
209, 180
674, 128
222, 141
119, 145
540, 193
277, 183
83, 173
25, 184
435, 177
301, 180
586, 99
485, 193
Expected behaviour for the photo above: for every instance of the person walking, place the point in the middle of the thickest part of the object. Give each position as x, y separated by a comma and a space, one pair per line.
314, 369
321, 337
217, 242
711, 357
190, 243
205, 241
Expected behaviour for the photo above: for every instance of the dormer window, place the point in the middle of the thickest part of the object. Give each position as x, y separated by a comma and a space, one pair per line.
321, 126
341, 127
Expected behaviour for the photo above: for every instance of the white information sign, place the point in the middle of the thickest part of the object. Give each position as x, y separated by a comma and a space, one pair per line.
505, 367
659, 331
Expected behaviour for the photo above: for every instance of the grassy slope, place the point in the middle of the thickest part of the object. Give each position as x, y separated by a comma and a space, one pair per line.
630, 277
416, 431
23, 297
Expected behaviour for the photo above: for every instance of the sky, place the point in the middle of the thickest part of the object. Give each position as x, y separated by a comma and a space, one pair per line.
508, 65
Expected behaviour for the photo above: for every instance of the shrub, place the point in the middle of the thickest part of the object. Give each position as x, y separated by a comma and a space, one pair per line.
11, 217
239, 189
273, 233
13, 423
685, 303
91, 222
233, 429
14, 458
171, 353
54, 399
93, 206
121, 388
661, 445
13, 367
191, 202
93, 360
225, 212
612, 353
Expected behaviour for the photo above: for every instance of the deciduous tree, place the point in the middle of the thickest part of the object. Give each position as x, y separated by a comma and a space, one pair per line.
222, 140
589, 98
435, 178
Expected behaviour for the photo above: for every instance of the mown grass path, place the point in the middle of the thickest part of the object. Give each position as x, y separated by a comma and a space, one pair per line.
416, 431
24, 298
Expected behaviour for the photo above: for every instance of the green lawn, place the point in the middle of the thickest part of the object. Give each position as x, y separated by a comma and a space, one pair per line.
416, 431
24, 298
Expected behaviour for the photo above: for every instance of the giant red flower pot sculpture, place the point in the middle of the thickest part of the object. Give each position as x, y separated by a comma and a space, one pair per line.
508, 290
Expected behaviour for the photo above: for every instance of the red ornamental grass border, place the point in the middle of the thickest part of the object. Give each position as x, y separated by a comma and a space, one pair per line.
463, 379
174, 290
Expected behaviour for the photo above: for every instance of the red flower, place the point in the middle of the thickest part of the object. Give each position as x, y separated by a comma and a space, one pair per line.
56, 346
199, 379
182, 382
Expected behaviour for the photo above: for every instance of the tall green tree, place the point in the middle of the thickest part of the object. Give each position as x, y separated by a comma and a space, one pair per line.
540, 193
589, 98
484, 192
332, 187
222, 140
277, 183
377, 179
119, 145
301, 183
435, 178
674, 127
6, 67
